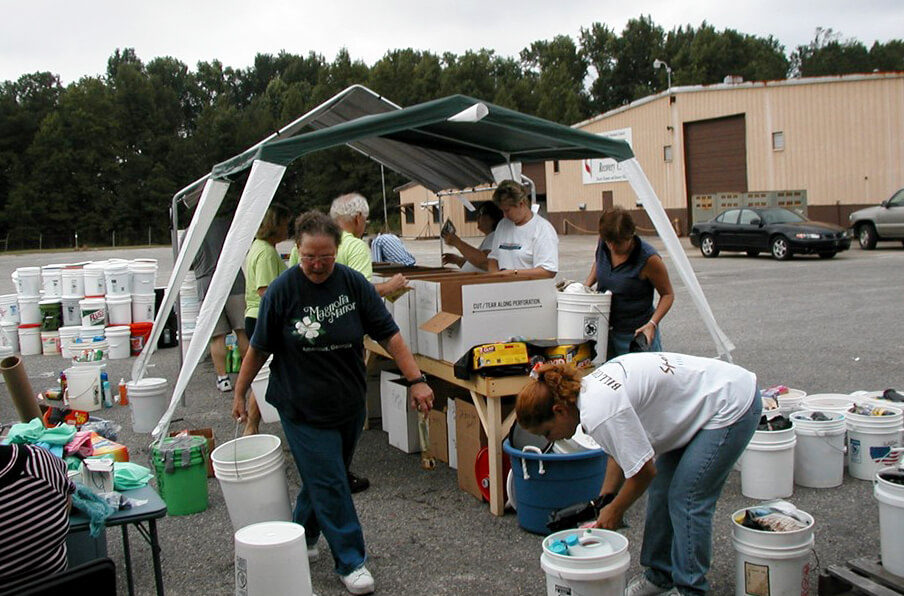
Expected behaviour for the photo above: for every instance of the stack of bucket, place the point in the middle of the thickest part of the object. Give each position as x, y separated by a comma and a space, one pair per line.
73, 292
144, 276
189, 307
9, 322
28, 289
51, 307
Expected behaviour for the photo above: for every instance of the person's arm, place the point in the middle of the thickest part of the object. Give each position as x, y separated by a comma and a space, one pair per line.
655, 271
251, 365
472, 254
492, 265
421, 393
591, 277
393, 284
453, 259
535, 271
611, 516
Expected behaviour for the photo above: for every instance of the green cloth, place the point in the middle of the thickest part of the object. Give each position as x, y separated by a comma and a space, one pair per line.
127, 475
34, 432
262, 265
354, 252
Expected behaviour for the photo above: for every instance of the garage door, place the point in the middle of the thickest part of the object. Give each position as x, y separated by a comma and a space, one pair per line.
715, 154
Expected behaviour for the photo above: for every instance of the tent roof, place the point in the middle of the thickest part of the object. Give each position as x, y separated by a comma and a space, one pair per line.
451, 142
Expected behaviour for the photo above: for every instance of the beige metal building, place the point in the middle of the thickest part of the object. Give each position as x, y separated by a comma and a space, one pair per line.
834, 143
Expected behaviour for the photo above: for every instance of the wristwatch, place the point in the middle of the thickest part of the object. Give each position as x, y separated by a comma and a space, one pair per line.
420, 379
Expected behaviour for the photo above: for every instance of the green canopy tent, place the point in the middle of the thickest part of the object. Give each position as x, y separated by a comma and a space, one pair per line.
448, 143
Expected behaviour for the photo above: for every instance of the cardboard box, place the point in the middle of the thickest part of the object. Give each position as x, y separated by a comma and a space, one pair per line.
450, 434
470, 313
470, 438
104, 446
399, 420
439, 442
98, 475
207, 433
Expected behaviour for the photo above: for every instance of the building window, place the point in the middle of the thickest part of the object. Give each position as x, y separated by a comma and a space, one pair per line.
667, 153
408, 210
555, 166
435, 210
778, 141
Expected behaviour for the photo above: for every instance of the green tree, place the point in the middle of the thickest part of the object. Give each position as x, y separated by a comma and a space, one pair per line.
829, 54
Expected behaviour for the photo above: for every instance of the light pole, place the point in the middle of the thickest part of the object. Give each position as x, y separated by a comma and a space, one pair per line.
657, 63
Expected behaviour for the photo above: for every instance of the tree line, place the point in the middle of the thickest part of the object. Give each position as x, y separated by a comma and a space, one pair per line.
106, 153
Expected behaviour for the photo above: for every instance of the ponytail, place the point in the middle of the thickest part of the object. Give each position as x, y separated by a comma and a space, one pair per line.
550, 384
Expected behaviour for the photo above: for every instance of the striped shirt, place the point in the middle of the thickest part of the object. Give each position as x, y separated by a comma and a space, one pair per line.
389, 248
34, 512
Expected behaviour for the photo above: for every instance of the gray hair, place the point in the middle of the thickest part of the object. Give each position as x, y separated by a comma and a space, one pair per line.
348, 206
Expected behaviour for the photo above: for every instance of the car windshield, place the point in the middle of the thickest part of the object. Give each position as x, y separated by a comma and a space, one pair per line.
779, 215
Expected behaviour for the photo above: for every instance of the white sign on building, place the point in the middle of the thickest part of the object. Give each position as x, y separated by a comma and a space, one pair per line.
594, 171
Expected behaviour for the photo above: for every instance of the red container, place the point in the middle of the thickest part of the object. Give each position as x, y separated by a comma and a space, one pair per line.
140, 334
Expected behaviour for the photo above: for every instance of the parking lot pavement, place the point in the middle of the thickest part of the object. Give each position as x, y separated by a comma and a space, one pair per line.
821, 326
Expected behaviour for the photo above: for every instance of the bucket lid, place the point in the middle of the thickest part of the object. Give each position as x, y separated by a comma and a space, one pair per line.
269, 533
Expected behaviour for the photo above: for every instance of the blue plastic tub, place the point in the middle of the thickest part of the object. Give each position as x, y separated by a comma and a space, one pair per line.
566, 479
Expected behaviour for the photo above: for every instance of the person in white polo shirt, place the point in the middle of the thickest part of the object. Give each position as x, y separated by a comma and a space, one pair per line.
673, 426
524, 242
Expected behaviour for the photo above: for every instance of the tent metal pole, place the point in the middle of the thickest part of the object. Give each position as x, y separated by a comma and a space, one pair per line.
177, 307
385, 213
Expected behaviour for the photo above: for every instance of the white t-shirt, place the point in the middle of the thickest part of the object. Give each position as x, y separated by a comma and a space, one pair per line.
640, 405
534, 244
485, 246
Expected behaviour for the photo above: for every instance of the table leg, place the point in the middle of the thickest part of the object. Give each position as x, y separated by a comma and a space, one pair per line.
490, 413
155, 554
127, 555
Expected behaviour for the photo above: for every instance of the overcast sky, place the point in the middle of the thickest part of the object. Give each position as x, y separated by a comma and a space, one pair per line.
74, 39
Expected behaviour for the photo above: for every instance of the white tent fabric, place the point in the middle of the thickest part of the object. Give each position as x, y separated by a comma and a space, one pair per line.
660, 219
259, 190
211, 197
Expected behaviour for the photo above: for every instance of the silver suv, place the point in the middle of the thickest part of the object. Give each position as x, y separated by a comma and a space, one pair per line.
882, 222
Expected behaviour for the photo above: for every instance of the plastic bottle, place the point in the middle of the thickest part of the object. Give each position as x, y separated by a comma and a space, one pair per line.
105, 387
236, 358
123, 393
229, 350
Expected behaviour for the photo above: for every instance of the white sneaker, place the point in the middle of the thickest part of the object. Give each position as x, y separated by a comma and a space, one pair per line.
224, 384
313, 553
359, 581
641, 586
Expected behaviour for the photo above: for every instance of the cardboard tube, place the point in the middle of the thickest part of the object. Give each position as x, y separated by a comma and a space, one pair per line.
19, 388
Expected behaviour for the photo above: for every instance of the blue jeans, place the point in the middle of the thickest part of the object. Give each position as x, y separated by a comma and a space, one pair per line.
677, 535
324, 503
620, 340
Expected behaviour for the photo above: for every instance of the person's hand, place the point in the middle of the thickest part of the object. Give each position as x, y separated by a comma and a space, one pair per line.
421, 397
609, 518
397, 282
453, 259
450, 238
649, 331
238, 407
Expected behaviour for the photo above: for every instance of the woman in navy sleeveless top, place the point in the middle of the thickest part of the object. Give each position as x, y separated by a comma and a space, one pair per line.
631, 269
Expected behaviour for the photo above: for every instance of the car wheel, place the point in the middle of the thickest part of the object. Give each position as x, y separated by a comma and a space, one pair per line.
753, 253
708, 246
780, 248
827, 255
866, 235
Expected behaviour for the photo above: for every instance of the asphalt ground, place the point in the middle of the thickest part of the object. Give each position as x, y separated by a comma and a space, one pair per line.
824, 326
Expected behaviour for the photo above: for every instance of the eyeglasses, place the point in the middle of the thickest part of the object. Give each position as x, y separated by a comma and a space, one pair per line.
326, 260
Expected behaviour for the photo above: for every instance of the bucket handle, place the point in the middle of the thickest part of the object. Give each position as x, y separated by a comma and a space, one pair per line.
603, 314
823, 434
531, 449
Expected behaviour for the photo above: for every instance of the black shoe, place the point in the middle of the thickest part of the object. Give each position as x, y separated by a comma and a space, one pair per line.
357, 484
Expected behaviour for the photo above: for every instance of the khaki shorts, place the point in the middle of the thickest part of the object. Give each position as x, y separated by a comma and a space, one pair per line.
232, 317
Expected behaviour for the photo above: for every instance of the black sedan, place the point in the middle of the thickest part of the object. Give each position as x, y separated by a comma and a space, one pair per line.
782, 232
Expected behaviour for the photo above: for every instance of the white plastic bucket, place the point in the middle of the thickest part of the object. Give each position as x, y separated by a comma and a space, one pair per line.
144, 276
50, 343
891, 521
85, 392
259, 387
29, 310
868, 432
775, 563
9, 308
819, 453
30, 339
89, 332
185, 337
142, 308
261, 552
72, 312
827, 402
189, 312
94, 312
28, 281
585, 316
599, 568
73, 282
767, 467
52, 281
118, 338
119, 309
147, 399
118, 279
9, 335
95, 282
67, 336
88, 351
251, 472
790, 401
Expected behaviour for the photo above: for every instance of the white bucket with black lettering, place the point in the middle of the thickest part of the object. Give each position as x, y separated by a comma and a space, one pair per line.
85, 393
261, 552
776, 563
73, 282
27, 281
889, 491
585, 316
118, 338
52, 281
597, 566
117, 278
144, 276
94, 312
147, 399
72, 311
869, 440
142, 308
119, 309
9, 308
259, 386
767, 467
95, 281
251, 472
819, 453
